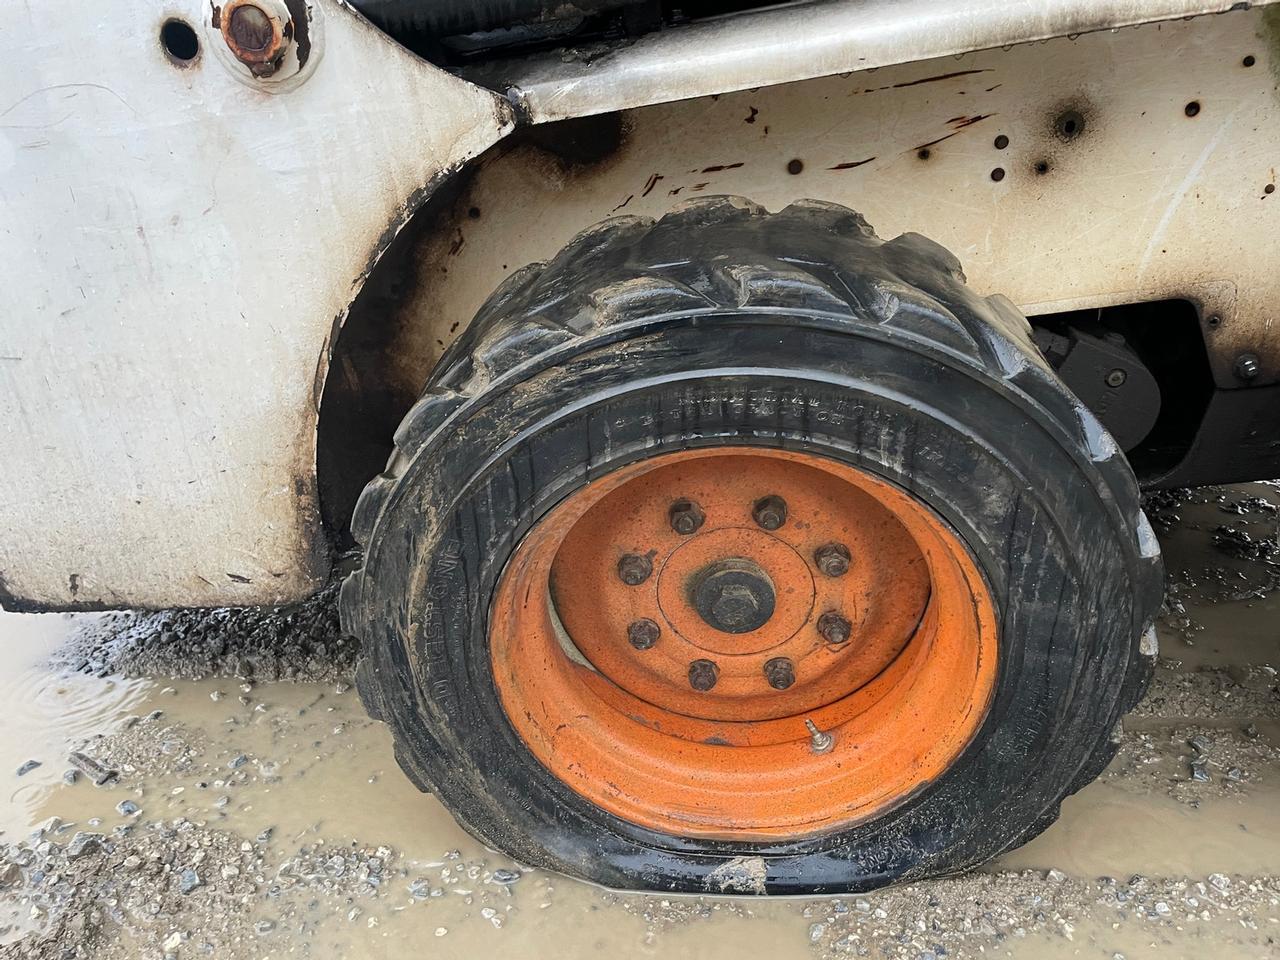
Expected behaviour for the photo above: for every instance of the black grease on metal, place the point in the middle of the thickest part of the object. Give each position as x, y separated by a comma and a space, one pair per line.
299, 15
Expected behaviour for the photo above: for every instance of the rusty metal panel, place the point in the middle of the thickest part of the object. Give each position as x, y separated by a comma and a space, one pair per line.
1115, 167
803, 41
179, 243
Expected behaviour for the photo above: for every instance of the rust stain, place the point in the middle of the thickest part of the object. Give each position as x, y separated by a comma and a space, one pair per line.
751, 117
960, 123
716, 168
701, 186
942, 76
850, 164
623, 203
458, 241
934, 79
653, 182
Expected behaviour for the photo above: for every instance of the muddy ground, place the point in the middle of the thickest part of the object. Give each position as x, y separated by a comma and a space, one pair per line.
228, 798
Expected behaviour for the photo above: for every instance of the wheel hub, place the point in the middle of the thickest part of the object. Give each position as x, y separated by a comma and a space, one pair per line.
734, 595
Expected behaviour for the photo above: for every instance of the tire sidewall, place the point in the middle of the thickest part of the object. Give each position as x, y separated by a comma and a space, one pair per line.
1038, 520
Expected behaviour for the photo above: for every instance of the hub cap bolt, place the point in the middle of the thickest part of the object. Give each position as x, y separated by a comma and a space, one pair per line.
634, 569
686, 517
832, 559
643, 633
703, 675
770, 512
780, 673
819, 742
834, 628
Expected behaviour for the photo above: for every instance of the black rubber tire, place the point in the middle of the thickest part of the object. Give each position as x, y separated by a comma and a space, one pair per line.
724, 324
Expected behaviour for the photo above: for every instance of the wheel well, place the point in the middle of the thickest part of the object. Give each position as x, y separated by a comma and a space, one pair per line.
384, 351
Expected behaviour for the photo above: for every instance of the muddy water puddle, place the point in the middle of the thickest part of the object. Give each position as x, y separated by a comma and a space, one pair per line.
269, 819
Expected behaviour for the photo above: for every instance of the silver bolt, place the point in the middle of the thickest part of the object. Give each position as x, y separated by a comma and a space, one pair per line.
819, 742
1247, 366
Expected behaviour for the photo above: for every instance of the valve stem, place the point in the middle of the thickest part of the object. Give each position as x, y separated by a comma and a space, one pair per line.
819, 742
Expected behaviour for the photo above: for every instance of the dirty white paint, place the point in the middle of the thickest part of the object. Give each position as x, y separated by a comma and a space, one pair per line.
180, 242
1146, 203
817, 39
176, 248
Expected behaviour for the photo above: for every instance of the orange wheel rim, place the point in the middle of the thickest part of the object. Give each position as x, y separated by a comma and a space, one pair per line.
743, 643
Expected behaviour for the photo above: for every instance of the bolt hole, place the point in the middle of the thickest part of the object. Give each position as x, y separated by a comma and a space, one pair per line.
474, 213
179, 41
1001, 142
1042, 167
997, 174
923, 153
1249, 61
1069, 125
1269, 188
1214, 322
795, 166
1192, 108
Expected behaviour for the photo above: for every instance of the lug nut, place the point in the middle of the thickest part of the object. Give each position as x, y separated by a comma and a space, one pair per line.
703, 675
634, 569
832, 559
686, 517
834, 628
770, 512
780, 673
643, 633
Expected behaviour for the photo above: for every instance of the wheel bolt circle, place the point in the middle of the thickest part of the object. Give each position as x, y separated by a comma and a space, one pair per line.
643, 633
634, 569
832, 559
686, 517
770, 512
703, 675
780, 673
834, 628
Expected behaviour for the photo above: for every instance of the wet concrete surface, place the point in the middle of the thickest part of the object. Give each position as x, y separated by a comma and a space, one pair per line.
261, 817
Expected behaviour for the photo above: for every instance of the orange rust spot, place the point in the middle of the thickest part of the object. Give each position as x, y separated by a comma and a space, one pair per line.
902, 697
256, 34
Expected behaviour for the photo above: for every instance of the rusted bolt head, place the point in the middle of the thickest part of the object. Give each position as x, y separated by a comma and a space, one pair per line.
1247, 366
770, 512
634, 569
643, 633
686, 517
703, 675
257, 33
834, 628
780, 673
251, 28
832, 559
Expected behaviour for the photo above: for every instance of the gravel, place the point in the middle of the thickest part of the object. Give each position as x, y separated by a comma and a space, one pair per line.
300, 642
